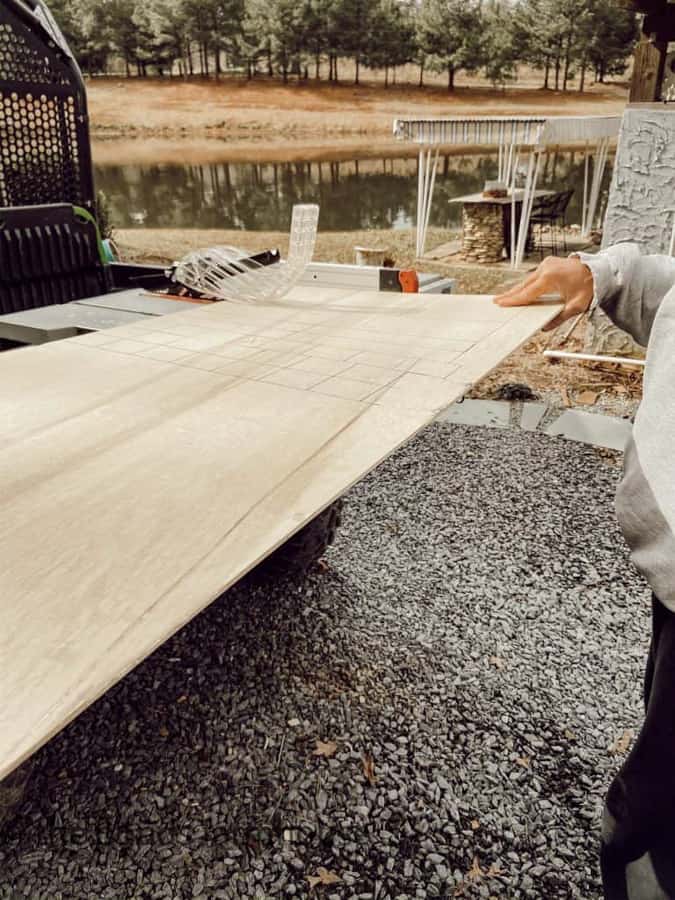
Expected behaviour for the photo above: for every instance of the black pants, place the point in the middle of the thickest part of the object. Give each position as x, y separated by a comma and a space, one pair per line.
638, 848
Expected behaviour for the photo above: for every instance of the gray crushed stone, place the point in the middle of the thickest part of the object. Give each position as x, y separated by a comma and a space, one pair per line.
477, 632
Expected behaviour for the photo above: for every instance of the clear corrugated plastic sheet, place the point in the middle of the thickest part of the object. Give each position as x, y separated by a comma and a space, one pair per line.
227, 273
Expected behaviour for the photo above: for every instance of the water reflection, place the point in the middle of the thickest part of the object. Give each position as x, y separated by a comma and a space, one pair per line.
357, 194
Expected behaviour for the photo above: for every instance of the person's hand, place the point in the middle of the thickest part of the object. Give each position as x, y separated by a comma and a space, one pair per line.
570, 278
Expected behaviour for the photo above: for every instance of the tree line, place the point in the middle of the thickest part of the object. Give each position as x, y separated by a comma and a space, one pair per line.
304, 39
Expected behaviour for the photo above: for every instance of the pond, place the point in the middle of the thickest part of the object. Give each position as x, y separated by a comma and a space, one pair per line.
353, 195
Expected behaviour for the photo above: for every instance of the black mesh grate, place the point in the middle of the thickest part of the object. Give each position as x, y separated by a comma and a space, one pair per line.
44, 140
21, 62
39, 156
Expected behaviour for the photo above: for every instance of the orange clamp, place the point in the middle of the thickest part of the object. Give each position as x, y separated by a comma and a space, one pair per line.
410, 283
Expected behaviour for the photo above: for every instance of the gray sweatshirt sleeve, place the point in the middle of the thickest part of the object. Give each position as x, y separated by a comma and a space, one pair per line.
629, 287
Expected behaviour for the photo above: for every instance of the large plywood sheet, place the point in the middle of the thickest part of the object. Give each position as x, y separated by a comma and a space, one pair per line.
145, 469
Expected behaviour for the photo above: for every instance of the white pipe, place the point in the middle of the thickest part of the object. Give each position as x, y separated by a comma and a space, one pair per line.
526, 210
671, 249
512, 248
429, 197
420, 189
584, 207
605, 153
528, 182
512, 236
598, 172
427, 175
533, 191
593, 357
425, 201
592, 199
534, 185
511, 175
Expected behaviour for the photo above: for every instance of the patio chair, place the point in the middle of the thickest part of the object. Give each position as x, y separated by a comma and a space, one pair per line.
549, 213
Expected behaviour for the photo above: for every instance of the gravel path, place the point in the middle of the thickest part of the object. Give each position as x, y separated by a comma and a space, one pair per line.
467, 655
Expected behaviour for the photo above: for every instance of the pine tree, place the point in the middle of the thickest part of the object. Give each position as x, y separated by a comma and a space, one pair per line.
392, 37
223, 20
351, 23
117, 18
286, 33
537, 34
319, 16
613, 36
449, 34
561, 36
500, 43
171, 27
68, 15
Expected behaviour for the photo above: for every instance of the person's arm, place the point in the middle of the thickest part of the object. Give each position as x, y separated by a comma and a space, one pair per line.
629, 287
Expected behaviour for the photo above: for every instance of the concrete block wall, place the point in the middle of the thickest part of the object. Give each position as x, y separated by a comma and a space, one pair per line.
643, 188
643, 183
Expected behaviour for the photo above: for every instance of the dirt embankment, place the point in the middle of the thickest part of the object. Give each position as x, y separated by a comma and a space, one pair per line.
251, 112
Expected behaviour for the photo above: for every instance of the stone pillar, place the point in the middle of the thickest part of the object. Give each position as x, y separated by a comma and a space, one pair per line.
643, 187
482, 232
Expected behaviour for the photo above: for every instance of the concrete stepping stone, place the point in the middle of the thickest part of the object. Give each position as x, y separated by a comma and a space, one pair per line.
592, 428
532, 415
490, 413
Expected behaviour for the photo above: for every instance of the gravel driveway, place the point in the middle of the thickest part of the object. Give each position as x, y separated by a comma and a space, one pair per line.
465, 658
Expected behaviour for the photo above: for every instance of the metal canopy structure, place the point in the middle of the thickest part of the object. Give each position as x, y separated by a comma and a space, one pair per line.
515, 137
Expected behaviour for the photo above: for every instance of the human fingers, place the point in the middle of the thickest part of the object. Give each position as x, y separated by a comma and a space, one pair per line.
528, 293
517, 288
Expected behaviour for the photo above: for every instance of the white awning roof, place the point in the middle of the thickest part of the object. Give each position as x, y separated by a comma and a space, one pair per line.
513, 135
530, 131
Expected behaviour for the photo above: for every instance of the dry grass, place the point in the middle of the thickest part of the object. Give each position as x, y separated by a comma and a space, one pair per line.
166, 244
252, 112
612, 388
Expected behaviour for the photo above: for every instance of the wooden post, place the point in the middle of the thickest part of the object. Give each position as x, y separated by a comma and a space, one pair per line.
649, 67
647, 71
